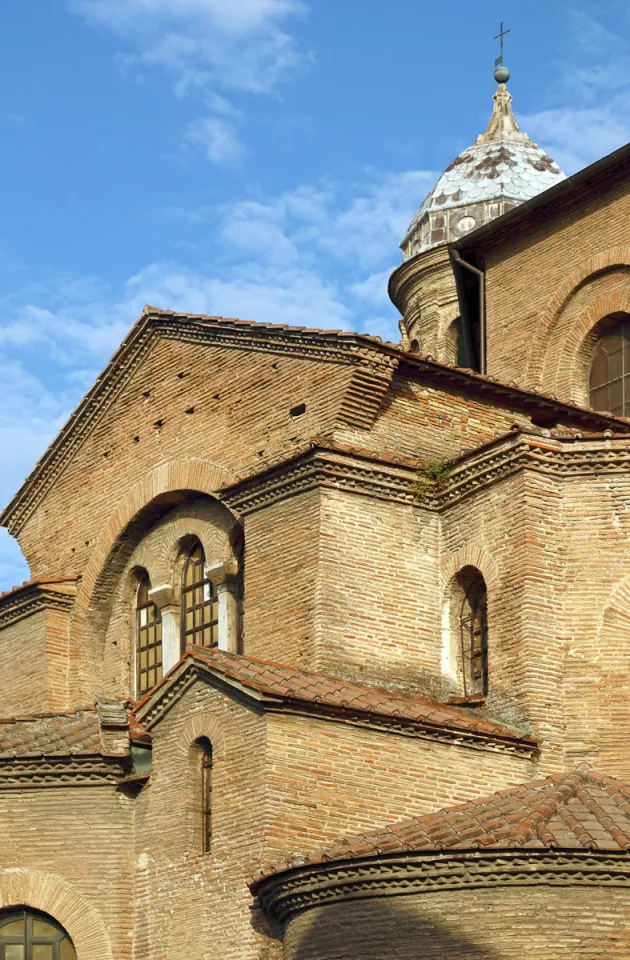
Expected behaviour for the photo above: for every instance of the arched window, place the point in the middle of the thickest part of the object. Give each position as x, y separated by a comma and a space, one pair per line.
28, 935
473, 631
609, 383
200, 607
148, 640
205, 748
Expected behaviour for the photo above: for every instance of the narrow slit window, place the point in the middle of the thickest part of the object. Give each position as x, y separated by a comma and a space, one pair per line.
148, 641
473, 630
200, 606
206, 794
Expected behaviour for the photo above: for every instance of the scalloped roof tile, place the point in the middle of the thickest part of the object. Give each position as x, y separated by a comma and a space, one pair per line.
503, 164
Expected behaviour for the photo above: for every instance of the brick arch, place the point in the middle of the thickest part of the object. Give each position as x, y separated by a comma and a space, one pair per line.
587, 270
570, 348
472, 555
205, 723
42, 891
200, 476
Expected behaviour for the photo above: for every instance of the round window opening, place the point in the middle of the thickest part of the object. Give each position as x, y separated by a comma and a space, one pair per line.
28, 935
466, 224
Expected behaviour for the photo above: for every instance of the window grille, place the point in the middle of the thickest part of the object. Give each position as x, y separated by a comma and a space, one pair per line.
206, 794
148, 640
200, 606
473, 622
609, 383
28, 935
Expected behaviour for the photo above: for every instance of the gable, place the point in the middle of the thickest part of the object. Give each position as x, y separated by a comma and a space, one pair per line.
202, 389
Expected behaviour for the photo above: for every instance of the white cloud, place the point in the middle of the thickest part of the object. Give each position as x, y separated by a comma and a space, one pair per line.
205, 45
237, 43
575, 137
217, 140
589, 113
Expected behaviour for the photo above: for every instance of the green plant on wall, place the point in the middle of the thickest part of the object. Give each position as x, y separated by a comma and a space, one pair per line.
432, 475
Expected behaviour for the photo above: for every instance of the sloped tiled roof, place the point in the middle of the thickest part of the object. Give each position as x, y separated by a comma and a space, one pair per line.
287, 684
52, 735
582, 810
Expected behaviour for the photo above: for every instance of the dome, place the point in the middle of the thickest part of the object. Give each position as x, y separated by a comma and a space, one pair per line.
500, 170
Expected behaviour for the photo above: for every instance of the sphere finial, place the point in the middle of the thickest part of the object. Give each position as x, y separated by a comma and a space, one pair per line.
501, 74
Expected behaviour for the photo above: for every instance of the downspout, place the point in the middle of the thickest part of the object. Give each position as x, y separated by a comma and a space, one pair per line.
458, 260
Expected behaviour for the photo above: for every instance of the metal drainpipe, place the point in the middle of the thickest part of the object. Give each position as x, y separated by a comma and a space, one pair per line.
482, 306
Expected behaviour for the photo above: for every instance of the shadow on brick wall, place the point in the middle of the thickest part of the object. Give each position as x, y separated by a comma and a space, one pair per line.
387, 928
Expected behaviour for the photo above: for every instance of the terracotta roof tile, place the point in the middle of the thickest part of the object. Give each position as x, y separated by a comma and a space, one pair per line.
289, 683
52, 735
42, 582
582, 810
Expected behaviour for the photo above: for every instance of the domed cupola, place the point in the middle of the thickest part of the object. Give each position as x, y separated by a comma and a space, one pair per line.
500, 170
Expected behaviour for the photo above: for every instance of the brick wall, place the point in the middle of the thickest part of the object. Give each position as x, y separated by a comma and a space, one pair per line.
240, 406
496, 923
281, 784
540, 279
81, 840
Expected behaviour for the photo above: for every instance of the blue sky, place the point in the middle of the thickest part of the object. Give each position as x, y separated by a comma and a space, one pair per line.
251, 158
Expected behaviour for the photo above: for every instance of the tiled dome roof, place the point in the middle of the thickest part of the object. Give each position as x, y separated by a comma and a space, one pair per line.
503, 165
580, 811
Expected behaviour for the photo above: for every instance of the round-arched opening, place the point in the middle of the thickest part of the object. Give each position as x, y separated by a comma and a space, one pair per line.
471, 613
30, 935
609, 375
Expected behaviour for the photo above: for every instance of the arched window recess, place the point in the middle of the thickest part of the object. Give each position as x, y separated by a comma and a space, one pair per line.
30, 935
473, 632
206, 763
609, 379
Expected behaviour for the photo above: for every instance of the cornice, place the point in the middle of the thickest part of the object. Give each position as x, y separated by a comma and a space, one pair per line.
285, 894
26, 602
370, 476
320, 467
329, 346
376, 360
35, 772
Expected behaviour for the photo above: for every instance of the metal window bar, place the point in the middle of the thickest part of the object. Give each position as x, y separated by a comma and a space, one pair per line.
473, 623
148, 641
27, 935
200, 605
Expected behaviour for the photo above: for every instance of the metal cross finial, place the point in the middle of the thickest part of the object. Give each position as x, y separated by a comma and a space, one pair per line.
503, 33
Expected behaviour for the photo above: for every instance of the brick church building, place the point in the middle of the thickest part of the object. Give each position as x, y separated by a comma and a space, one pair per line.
325, 654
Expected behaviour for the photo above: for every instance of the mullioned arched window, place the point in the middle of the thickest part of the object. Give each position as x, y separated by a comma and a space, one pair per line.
29, 935
609, 381
200, 607
148, 640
